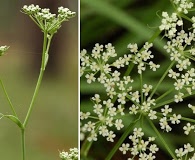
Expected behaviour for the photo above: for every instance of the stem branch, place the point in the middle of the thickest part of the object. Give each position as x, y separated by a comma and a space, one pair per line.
42, 69
162, 140
162, 78
8, 99
121, 140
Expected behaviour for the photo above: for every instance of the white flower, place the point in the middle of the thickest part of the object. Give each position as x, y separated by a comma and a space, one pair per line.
84, 115
153, 148
164, 124
179, 152
119, 124
124, 148
188, 128
152, 115
90, 78
192, 108
135, 96
175, 119
133, 109
146, 89
121, 97
153, 66
166, 110
133, 47
103, 130
178, 97
110, 136
173, 74
179, 84
92, 136
188, 148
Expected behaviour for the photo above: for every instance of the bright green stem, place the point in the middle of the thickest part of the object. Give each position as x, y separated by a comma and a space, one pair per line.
129, 69
171, 100
42, 69
141, 86
186, 17
34, 96
23, 144
188, 119
8, 99
162, 140
121, 140
164, 95
85, 148
182, 118
162, 78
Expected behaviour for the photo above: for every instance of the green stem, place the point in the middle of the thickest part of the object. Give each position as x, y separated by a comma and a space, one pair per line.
121, 140
129, 69
23, 144
165, 94
42, 69
188, 119
185, 17
171, 100
182, 118
162, 140
85, 148
162, 78
8, 99
141, 86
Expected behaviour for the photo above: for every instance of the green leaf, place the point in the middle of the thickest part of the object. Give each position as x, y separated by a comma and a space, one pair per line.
13, 119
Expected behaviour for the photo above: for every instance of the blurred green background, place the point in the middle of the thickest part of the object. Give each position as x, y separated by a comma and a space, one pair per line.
53, 125
120, 23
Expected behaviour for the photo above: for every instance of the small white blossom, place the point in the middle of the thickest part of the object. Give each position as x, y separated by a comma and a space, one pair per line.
124, 148
175, 119
192, 108
119, 124
188, 128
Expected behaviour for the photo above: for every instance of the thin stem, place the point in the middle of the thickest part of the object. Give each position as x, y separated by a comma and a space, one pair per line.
162, 78
38, 81
8, 99
182, 118
121, 140
162, 140
188, 119
165, 94
85, 148
141, 86
171, 100
129, 69
23, 144
87, 144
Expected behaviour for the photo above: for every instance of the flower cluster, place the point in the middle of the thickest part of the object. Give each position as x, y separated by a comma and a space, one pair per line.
184, 152
106, 116
181, 51
174, 119
3, 49
45, 20
182, 6
141, 57
139, 147
117, 88
71, 155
